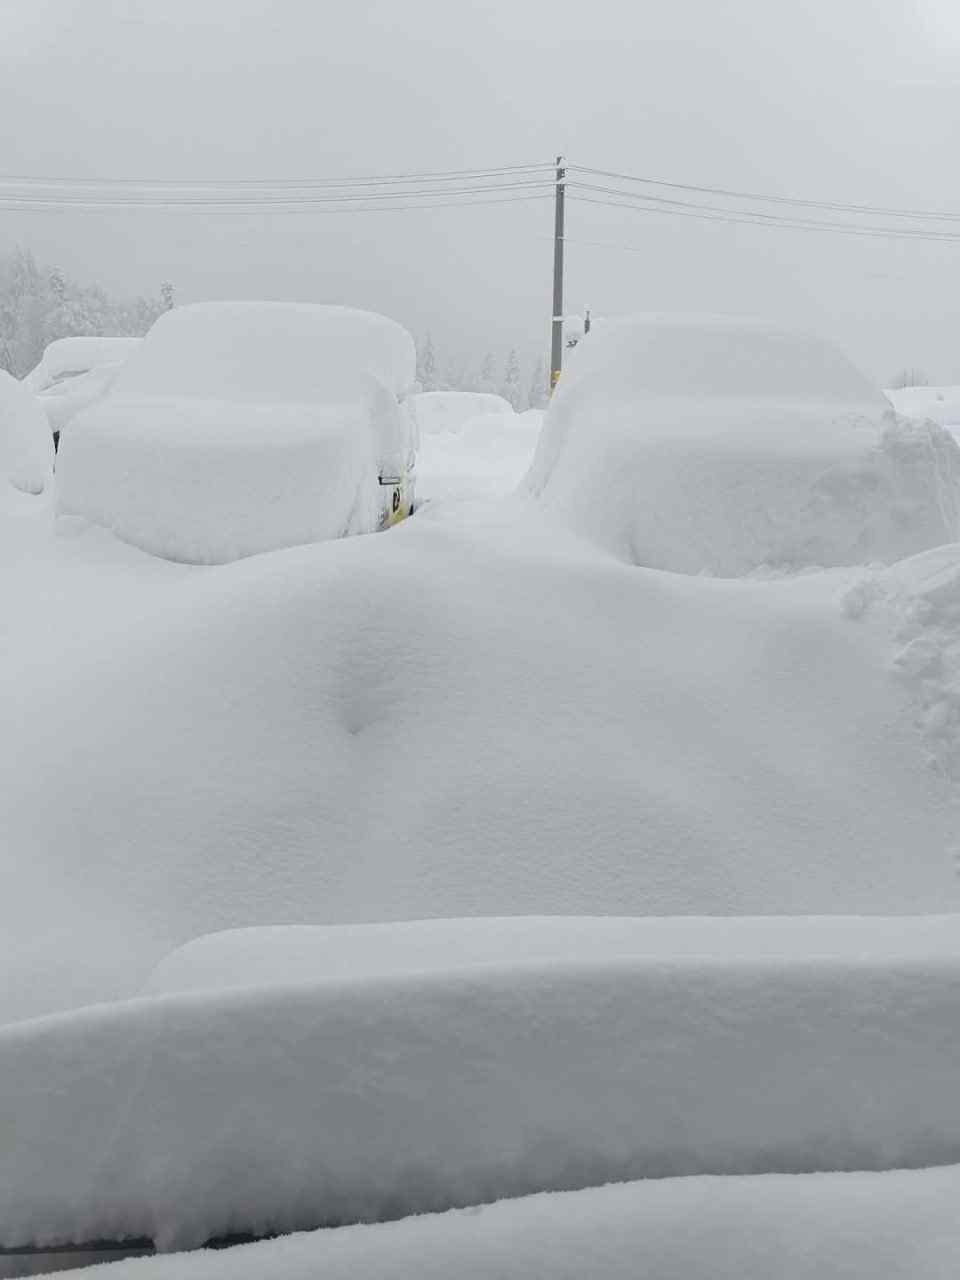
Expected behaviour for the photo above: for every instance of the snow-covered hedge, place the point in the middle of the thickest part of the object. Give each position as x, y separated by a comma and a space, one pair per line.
678, 1047
26, 447
712, 445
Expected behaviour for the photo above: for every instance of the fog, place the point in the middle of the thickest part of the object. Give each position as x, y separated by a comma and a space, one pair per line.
855, 101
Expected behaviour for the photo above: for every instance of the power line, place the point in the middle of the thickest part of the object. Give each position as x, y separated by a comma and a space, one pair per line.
747, 217
831, 205
191, 184
252, 210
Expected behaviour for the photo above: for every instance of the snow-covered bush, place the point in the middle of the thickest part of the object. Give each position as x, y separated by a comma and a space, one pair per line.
26, 446
715, 445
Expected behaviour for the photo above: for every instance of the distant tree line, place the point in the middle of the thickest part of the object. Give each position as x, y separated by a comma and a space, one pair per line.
523, 388
909, 378
39, 304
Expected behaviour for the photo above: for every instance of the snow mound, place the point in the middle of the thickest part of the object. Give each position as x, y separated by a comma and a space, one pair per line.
263, 352
450, 410
899, 1225
919, 598
184, 1116
68, 358
719, 446
938, 404
485, 458
240, 428
26, 447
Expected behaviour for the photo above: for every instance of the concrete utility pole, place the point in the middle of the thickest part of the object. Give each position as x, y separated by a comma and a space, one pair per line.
556, 348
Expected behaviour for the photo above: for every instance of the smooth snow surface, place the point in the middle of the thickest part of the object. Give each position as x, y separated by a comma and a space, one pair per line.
26, 447
852, 1226
263, 352
238, 428
685, 1047
472, 714
718, 446
486, 457
448, 411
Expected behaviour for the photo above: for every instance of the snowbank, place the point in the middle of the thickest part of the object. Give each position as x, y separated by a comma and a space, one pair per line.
919, 601
449, 410
26, 448
718, 446
477, 714
184, 1116
68, 358
938, 404
239, 428
851, 1226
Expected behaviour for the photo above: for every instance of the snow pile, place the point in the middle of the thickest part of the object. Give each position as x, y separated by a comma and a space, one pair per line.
899, 1225
688, 1048
919, 600
68, 358
451, 410
239, 428
718, 446
938, 404
476, 714
26, 448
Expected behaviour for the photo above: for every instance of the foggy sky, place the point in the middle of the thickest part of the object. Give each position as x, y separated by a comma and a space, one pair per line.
852, 100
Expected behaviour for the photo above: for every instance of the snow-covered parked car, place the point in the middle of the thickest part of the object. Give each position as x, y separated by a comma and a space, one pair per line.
242, 427
716, 445
76, 372
450, 411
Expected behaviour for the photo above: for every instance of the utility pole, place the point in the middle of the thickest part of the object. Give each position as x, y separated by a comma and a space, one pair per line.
556, 348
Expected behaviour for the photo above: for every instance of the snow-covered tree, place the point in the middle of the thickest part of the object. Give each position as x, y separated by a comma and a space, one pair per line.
510, 386
539, 392
910, 378
427, 366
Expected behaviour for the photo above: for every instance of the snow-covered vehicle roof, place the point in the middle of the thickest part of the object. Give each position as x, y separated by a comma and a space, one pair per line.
718, 445
238, 428
438, 411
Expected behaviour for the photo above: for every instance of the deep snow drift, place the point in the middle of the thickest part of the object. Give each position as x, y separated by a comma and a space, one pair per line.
858, 1226
472, 714
671, 1047
26, 446
719, 446
237, 428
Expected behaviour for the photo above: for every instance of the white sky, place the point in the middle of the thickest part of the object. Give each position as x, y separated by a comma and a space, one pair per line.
854, 100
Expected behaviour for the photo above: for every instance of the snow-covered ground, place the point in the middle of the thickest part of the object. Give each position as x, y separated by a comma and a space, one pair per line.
851, 1226
501, 708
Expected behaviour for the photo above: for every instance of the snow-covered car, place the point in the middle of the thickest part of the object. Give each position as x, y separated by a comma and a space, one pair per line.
716, 445
76, 372
449, 411
242, 427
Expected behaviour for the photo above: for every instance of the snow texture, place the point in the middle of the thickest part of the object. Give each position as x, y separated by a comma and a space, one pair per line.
919, 602
718, 446
671, 1048
900, 1225
26, 447
449, 411
240, 428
